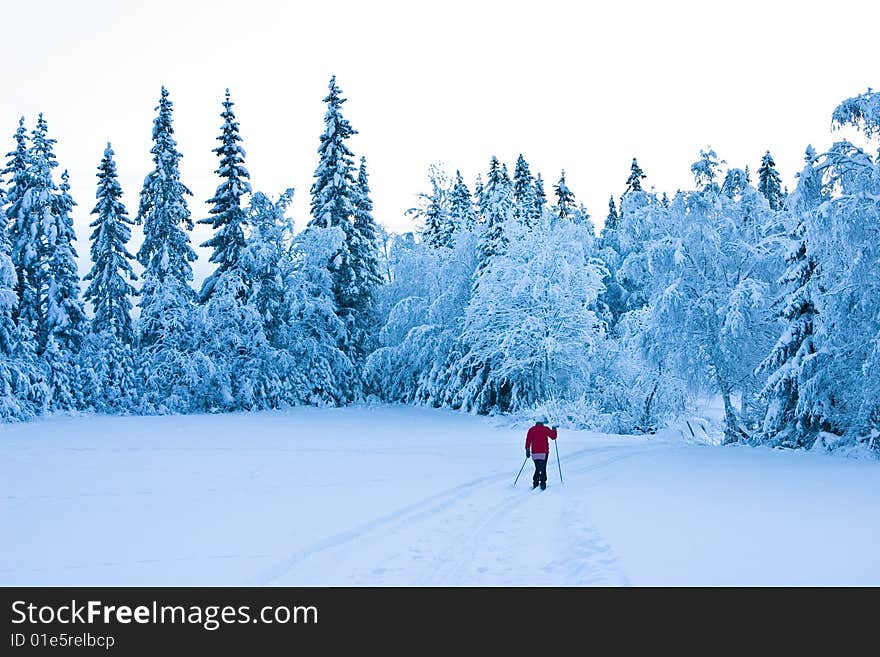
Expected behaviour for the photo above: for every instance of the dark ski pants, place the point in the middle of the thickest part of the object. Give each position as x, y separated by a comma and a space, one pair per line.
540, 471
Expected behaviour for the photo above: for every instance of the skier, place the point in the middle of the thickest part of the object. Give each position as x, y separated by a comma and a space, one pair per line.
538, 447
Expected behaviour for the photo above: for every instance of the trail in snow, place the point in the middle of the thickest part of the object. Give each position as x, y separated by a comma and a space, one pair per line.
404, 496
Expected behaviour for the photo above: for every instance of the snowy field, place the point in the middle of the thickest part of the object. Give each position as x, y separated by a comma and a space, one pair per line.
403, 496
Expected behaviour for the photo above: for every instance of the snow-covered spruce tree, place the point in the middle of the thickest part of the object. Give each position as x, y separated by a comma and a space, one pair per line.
30, 201
334, 195
461, 205
23, 392
479, 198
166, 252
109, 365
636, 175
23, 234
565, 202
434, 209
497, 213
612, 301
531, 323
110, 289
612, 224
525, 207
787, 421
66, 323
769, 182
228, 217
540, 196
170, 367
49, 303
364, 250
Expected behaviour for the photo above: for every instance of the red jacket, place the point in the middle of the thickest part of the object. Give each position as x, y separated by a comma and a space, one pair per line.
536, 439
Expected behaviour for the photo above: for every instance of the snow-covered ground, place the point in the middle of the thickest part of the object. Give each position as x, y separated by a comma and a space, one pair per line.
405, 496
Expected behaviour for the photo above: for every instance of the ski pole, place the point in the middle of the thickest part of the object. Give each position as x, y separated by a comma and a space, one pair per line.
520, 470
558, 464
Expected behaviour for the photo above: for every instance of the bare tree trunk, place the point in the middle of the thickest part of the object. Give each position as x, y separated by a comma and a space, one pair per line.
733, 432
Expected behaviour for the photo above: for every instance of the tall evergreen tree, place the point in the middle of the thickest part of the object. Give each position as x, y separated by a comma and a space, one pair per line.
497, 212
461, 205
540, 196
227, 214
51, 301
30, 202
479, 197
163, 211
613, 220
111, 289
636, 175
24, 229
367, 278
165, 253
66, 317
525, 206
565, 202
334, 193
612, 224
769, 183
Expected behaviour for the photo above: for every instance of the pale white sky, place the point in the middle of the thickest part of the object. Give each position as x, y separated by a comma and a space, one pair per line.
568, 85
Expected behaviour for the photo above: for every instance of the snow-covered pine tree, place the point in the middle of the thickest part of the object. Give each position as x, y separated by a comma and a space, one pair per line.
24, 230
66, 323
30, 201
23, 392
612, 223
787, 420
334, 194
228, 217
165, 253
461, 205
769, 183
367, 277
479, 198
524, 204
540, 196
170, 367
636, 175
66, 317
110, 289
497, 211
108, 360
565, 201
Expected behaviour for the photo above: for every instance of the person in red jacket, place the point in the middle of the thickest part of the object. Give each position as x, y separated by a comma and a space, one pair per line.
538, 447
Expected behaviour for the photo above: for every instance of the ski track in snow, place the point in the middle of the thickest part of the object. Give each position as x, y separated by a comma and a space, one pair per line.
481, 545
